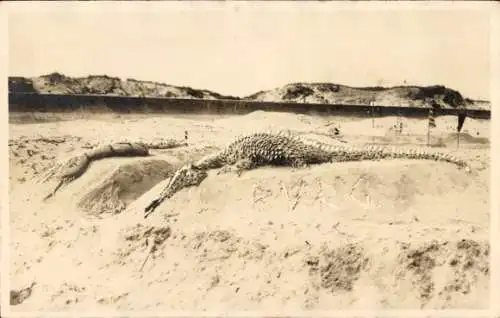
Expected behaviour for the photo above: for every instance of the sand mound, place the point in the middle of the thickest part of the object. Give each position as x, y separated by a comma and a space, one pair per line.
116, 189
382, 187
262, 121
329, 233
109, 186
467, 139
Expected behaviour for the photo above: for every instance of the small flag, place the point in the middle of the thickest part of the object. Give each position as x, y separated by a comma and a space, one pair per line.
461, 119
432, 122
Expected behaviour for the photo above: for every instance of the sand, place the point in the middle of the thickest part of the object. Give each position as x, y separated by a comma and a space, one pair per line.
395, 234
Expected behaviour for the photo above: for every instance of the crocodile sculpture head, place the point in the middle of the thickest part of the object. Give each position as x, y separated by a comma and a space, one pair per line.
186, 176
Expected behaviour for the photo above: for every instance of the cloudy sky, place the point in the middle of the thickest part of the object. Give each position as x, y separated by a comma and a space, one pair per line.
239, 48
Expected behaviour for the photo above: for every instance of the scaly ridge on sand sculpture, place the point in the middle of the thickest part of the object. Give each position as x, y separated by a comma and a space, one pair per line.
284, 149
74, 167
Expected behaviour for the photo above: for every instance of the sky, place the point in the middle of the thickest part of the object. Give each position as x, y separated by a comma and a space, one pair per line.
239, 48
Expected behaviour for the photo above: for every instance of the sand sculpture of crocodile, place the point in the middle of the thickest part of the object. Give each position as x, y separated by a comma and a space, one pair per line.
282, 148
74, 167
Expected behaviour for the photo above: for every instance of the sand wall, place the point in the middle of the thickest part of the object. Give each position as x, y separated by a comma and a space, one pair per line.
29, 102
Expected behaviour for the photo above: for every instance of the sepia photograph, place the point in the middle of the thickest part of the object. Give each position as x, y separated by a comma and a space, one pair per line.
248, 156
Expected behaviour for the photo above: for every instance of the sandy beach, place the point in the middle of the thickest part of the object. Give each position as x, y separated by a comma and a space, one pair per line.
392, 234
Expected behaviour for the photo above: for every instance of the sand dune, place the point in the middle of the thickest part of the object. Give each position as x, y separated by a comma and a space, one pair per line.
322, 93
360, 235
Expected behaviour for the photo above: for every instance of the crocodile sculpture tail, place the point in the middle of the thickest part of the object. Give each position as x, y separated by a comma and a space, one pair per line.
346, 153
